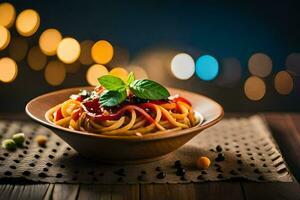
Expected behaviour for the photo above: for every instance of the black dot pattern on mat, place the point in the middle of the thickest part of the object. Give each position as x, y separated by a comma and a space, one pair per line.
8, 173
247, 154
26, 173
42, 175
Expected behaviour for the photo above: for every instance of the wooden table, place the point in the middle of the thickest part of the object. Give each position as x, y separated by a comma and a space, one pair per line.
285, 128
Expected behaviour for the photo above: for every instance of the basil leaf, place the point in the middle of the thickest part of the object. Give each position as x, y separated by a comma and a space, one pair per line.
147, 89
112, 98
112, 83
130, 78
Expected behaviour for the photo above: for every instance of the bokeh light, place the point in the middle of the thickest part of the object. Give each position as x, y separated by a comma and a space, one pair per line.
7, 15
102, 52
139, 72
36, 58
18, 48
230, 73
28, 22
293, 63
207, 67
183, 66
94, 72
120, 57
73, 67
283, 83
68, 50
55, 72
156, 62
119, 72
4, 37
49, 41
254, 88
85, 57
260, 65
8, 70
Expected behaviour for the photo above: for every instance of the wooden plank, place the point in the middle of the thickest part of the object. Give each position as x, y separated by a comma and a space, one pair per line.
207, 191
274, 191
6, 190
62, 191
15, 192
65, 191
219, 190
109, 192
286, 131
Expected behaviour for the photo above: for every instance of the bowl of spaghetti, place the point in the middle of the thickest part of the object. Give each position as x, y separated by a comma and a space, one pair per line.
128, 121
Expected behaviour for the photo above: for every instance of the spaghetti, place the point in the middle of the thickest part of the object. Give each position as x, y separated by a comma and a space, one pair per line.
134, 116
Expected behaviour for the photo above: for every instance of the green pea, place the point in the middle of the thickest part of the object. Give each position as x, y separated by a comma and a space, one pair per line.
19, 138
9, 144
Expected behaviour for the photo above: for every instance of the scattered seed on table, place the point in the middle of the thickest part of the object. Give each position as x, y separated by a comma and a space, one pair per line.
161, 175
9, 144
202, 163
203, 172
180, 171
158, 169
41, 140
177, 163
19, 138
220, 176
141, 178
219, 148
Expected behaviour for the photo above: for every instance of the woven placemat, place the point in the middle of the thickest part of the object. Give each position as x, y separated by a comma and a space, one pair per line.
249, 149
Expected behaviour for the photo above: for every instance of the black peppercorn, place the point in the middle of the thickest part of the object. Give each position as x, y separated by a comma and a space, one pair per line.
161, 175
180, 171
219, 148
177, 164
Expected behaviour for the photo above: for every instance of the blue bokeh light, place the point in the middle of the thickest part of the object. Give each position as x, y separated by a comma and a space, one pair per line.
207, 67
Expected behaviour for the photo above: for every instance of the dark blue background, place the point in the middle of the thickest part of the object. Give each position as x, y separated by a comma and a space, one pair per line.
223, 29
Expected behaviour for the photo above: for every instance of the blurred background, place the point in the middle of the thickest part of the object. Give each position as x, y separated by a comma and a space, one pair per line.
243, 54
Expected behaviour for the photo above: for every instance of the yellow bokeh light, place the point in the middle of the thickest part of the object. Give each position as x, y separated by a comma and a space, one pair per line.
68, 50
4, 37
7, 15
36, 59
55, 73
94, 72
18, 48
85, 57
49, 41
8, 70
283, 83
73, 67
139, 72
102, 52
260, 65
254, 88
28, 22
119, 72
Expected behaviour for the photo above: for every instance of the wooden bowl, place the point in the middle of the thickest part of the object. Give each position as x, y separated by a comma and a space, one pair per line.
125, 149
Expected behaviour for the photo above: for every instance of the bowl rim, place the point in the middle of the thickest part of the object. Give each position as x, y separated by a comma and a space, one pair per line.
153, 136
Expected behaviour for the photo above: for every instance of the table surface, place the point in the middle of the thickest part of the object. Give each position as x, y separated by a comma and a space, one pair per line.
286, 131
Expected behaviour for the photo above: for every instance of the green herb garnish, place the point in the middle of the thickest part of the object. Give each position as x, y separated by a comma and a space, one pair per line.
116, 89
